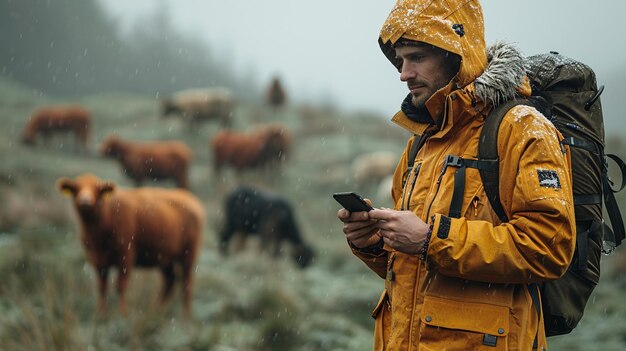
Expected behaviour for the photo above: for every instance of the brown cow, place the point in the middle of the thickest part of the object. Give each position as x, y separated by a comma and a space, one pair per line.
275, 95
54, 119
144, 227
260, 147
152, 160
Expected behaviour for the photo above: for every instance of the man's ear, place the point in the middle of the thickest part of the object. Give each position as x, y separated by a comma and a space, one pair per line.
66, 186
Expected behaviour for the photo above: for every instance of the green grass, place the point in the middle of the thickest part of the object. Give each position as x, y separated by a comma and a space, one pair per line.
241, 302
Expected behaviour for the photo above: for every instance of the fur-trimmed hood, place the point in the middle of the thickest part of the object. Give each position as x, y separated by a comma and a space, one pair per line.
504, 75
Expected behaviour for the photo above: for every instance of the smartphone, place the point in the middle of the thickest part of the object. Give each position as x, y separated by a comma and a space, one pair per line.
352, 202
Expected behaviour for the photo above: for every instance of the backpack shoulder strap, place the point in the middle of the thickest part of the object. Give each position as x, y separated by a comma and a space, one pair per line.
488, 150
615, 236
418, 142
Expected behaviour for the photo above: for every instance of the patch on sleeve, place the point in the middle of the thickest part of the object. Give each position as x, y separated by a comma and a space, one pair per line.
548, 179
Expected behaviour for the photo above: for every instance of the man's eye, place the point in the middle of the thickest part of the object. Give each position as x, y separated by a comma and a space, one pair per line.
416, 58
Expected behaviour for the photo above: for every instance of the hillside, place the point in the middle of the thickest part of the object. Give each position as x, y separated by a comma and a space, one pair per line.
241, 302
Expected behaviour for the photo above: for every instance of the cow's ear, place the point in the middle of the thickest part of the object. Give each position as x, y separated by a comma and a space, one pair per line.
107, 188
66, 186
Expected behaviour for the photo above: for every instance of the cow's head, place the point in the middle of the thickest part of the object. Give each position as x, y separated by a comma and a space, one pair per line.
87, 191
168, 107
28, 136
111, 146
303, 255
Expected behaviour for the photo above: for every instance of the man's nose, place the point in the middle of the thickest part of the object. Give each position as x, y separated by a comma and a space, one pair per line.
406, 73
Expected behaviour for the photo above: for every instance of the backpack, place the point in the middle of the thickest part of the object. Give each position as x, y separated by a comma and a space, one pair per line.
565, 91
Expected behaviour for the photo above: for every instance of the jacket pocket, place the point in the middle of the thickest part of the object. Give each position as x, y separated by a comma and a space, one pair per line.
461, 325
382, 315
382, 302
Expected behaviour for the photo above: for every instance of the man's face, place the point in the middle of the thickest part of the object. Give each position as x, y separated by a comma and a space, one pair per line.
425, 69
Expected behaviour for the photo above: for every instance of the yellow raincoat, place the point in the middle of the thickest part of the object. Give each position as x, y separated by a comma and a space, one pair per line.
471, 290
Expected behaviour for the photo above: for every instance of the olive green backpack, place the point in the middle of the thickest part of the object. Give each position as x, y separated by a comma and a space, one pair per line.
565, 91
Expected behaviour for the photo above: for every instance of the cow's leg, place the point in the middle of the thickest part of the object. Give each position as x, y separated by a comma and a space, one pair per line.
103, 275
194, 124
269, 236
45, 138
169, 277
188, 266
217, 169
181, 179
81, 138
227, 119
239, 241
226, 235
122, 283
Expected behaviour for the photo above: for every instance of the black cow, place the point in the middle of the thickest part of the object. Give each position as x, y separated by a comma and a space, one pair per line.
249, 211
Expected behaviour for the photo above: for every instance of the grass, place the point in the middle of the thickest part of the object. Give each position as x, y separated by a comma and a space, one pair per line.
241, 302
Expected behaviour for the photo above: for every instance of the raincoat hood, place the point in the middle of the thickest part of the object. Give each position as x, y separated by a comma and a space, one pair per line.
453, 25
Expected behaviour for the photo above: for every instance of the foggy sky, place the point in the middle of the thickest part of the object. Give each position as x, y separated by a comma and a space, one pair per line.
326, 50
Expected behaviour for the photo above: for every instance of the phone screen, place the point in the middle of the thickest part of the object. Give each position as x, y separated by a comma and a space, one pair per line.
352, 202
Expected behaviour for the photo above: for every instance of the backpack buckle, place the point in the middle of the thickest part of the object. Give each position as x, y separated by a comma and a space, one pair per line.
454, 161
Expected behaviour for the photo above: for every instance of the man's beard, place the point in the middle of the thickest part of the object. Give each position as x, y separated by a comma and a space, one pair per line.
419, 101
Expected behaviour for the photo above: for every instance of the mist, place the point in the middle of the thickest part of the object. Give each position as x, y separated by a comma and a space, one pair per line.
327, 50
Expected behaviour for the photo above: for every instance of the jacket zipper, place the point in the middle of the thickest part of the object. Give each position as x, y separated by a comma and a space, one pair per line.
443, 171
406, 205
390, 274
475, 203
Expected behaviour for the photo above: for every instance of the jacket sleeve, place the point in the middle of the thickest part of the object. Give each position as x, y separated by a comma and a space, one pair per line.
538, 242
374, 257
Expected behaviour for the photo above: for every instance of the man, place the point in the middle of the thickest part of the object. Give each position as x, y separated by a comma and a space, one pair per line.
456, 276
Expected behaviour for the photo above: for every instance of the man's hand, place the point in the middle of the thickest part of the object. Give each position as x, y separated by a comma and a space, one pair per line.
359, 229
402, 230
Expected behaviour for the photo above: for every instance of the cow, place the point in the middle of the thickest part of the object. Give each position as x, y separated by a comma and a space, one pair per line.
275, 96
150, 160
248, 150
250, 211
55, 119
198, 105
142, 227
373, 167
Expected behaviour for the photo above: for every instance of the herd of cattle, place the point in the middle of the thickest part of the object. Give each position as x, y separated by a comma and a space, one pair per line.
162, 227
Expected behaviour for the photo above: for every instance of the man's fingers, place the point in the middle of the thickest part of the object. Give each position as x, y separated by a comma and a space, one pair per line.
343, 214
348, 217
381, 214
361, 234
352, 226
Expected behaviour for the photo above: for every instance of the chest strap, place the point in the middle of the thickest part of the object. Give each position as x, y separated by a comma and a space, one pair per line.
461, 164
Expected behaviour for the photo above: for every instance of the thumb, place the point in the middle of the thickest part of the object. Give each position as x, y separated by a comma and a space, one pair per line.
368, 201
